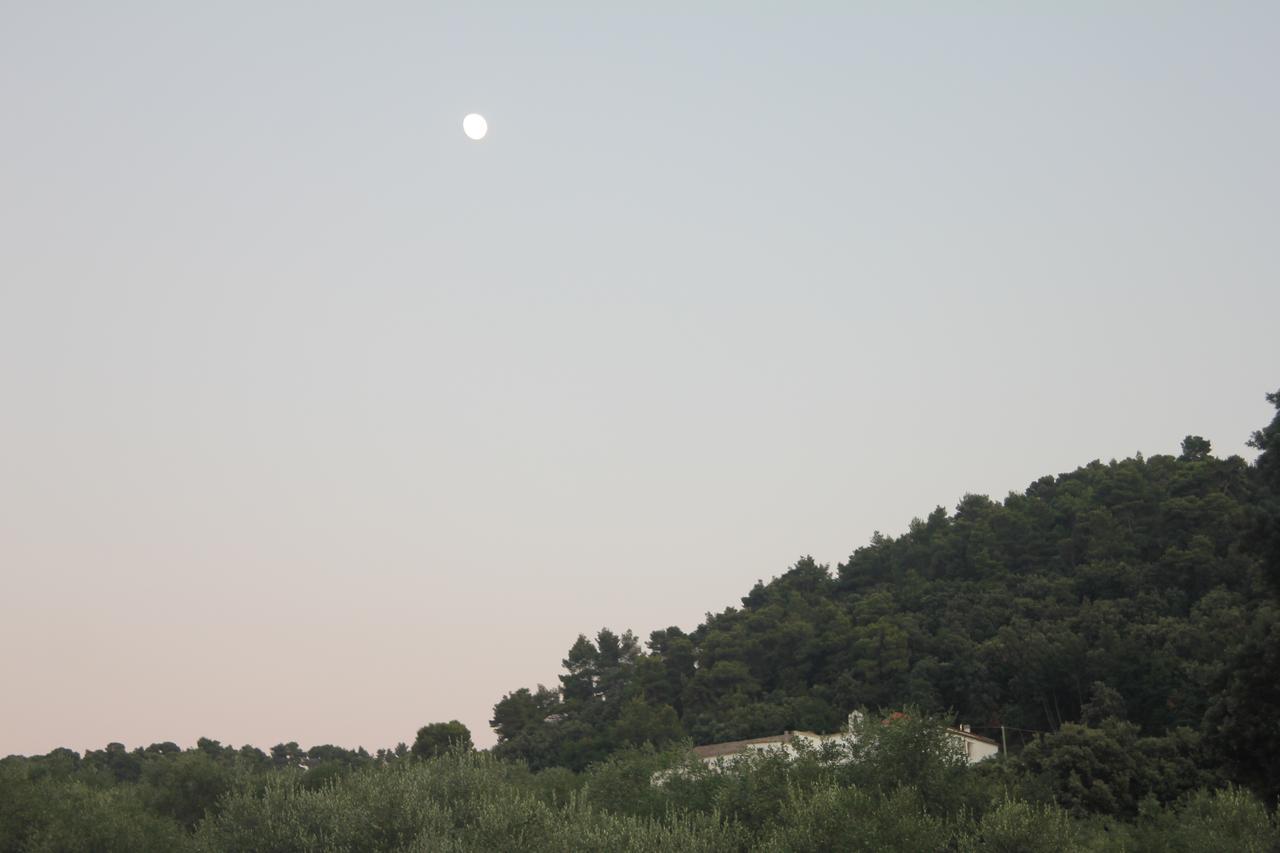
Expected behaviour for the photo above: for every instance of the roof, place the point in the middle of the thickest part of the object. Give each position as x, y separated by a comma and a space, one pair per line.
715, 750
973, 736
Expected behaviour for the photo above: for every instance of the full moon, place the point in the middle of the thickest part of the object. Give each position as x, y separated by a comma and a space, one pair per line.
474, 126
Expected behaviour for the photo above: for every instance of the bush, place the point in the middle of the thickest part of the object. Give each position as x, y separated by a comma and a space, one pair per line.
624, 783
454, 803
1231, 819
885, 752
64, 817
185, 786
838, 818
1020, 827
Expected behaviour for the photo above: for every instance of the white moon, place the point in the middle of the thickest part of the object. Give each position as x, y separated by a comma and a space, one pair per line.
474, 126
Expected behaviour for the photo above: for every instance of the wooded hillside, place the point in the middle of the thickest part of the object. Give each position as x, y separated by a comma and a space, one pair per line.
1141, 592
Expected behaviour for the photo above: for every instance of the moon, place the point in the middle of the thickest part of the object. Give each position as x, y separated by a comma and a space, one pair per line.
474, 126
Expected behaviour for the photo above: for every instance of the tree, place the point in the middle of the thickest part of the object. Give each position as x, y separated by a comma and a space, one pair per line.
615, 663
520, 710
283, 754
1135, 580
579, 681
641, 723
122, 765
436, 738
1244, 720
210, 747
1104, 702
1086, 769
187, 785
1266, 528
906, 748
1195, 448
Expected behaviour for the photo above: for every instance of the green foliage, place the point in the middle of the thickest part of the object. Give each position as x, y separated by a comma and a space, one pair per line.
436, 738
836, 818
555, 786
611, 697
383, 811
639, 799
1087, 769
1231, 819
643, 723
1244, 719
908, 748
1109, 769
49, 816
1121, 621
754, 790
1020, 827
185, 785
1225, 820
460, 801
114, 763
1265, 535
1127, 606
624, 782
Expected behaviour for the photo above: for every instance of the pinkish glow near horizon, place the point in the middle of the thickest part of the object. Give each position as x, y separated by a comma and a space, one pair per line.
321, 423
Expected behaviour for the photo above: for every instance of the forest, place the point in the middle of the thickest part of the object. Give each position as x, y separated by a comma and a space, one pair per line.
1118, 626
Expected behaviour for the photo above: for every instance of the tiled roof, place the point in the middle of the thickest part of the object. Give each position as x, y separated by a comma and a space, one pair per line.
963, 733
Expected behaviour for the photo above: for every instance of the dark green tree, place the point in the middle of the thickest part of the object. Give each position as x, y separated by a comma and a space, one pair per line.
1243, 721
436, 738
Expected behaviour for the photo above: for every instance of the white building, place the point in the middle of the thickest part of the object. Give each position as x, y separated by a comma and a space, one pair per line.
975, 747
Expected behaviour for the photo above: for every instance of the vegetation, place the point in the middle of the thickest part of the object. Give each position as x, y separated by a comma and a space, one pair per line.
436, 739
912, 792
1120, 624
1124, 612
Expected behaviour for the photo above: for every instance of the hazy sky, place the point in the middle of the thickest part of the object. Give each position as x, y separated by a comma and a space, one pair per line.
319, 422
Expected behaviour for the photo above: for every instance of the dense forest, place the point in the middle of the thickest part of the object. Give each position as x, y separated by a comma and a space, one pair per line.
1133, 602
1119, 625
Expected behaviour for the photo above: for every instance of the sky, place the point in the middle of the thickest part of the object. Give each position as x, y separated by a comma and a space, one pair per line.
319, 422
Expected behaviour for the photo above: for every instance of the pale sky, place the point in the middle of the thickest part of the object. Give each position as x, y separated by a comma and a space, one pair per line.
319, 422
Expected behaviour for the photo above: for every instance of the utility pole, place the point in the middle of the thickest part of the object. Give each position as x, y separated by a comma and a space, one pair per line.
1004, 741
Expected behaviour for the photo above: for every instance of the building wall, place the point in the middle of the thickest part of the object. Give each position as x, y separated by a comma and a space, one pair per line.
975, 749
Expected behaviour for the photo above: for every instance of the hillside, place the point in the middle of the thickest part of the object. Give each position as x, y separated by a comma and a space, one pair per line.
1140, 591
1121, 623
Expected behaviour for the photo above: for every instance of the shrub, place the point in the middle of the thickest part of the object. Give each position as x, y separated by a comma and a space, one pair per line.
1230, 819
839, 818
1020, 827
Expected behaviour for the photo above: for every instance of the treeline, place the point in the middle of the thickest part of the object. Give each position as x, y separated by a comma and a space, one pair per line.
1116, 613
908, 788
1120, 624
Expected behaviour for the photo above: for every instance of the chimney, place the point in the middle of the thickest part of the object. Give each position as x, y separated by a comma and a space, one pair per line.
964, 727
